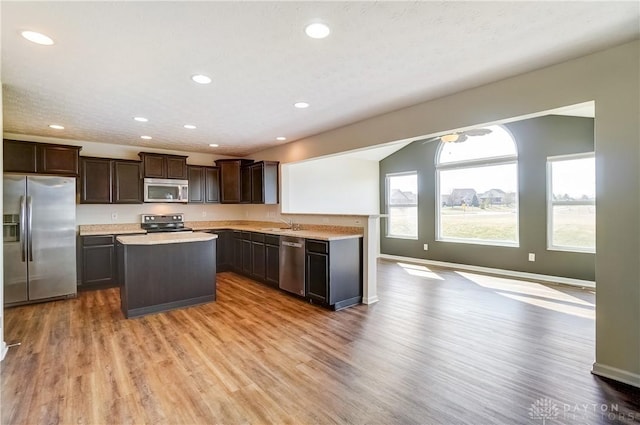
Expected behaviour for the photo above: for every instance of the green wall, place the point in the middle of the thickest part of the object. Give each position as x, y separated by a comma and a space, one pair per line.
536, 139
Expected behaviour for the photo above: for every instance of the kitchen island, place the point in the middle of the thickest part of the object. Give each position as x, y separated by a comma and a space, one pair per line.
163, 271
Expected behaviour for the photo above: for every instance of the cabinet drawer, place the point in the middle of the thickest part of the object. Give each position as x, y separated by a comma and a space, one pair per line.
272, 240
257, 237
97, 240
317, 246
246, 236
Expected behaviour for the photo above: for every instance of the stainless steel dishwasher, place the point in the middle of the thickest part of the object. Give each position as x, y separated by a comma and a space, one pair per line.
292, 264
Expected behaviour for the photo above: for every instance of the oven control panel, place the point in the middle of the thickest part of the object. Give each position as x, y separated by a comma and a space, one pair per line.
162, 219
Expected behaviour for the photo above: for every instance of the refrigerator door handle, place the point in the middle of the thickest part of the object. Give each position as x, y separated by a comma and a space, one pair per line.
23, 246
30, 223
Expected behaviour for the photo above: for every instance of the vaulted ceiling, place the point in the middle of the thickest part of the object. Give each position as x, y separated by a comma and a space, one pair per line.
113, 61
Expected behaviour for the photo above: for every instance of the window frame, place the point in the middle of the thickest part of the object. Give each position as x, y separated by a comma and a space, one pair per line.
388, 205
551, 202
476, 163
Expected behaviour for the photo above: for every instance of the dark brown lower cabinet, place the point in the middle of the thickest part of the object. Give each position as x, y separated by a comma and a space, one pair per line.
224, 250
333, 272
98, 260
236, 265
247, 266
272, 260
258, 265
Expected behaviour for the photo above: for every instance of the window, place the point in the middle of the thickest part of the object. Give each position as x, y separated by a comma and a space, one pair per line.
402, 205
477, 189
571, 203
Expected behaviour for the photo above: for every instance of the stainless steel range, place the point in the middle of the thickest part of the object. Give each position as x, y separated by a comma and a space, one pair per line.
154, 223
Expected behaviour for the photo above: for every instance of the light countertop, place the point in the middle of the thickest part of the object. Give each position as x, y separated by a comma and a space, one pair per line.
307, 231
166, 238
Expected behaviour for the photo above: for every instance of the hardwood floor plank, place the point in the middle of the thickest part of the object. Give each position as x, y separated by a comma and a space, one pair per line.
441, 347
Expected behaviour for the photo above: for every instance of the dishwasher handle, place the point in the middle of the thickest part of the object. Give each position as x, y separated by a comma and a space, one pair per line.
292, 244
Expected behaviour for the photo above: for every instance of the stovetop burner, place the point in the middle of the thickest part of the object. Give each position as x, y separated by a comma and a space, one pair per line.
154, 223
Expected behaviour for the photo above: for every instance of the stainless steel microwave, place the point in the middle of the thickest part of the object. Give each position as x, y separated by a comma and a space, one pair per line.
166, 190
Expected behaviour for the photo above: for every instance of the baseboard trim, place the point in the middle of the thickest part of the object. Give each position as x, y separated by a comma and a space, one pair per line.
370, 300
616, 374
501, 272
3, 350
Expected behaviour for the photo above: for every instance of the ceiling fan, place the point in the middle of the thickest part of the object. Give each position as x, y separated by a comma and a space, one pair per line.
460, 136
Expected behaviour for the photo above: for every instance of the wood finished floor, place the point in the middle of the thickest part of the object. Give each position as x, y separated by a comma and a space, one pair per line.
441, 347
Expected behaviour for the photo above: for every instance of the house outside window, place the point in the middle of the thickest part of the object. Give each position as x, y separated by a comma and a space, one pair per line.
477, 189
571, 197
402, 205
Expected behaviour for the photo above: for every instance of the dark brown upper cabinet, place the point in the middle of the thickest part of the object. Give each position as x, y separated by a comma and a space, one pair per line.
264, 182
204, 184
41, 158
110, 181
96, 181
230, 179
127, 182
162, 166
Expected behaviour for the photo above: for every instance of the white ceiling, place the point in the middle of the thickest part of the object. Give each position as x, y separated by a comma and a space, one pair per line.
116, 60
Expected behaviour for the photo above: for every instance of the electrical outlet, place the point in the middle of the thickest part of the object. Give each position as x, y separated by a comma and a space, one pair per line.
426, 247
532, 256
114, 216
325, 220
204, 213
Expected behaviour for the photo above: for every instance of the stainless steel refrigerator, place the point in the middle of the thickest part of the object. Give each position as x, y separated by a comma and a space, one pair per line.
39, 225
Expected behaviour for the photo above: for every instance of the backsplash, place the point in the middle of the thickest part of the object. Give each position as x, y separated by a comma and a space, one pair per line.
130, 213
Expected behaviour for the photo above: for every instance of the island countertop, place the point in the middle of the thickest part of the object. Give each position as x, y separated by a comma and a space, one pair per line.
165, 238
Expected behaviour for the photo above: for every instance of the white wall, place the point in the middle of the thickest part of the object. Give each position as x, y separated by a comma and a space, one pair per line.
102, 214
330, 185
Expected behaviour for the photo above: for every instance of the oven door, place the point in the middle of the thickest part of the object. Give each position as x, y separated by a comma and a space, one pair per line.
166, 190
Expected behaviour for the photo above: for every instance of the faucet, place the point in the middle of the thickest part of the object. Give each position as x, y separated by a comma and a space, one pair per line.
288, 222
291, 224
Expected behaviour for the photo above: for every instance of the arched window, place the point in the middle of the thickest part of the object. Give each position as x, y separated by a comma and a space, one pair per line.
477, 188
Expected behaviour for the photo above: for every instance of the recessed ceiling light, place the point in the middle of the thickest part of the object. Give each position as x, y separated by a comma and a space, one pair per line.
213, 145
140, 119
36, 37
301, 105
146, 137
190, 126
201, 79
281, 138
317, 30
56, 126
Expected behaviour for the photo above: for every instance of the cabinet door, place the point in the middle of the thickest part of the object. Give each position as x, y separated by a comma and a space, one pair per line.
229, 182
96, 181
258, 257
19, 157
224, 250
127, 186
237, 252
98, 260
246, 257
272, 263
196, 184
176, 167
54, 159
211, 185
317, 276
257, 183
154, 165
245, 182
